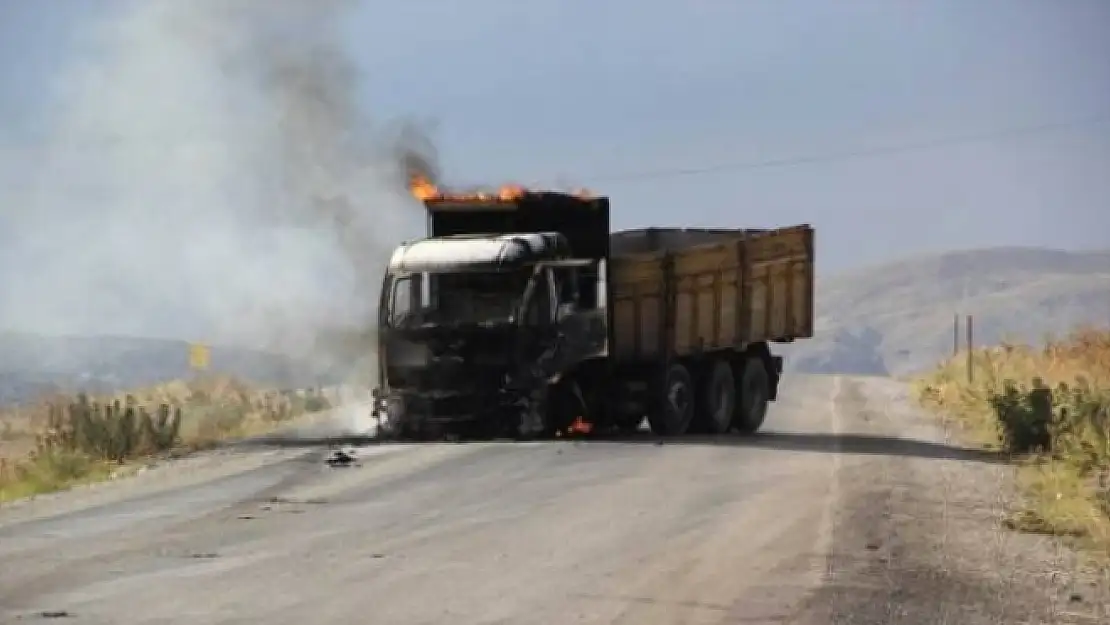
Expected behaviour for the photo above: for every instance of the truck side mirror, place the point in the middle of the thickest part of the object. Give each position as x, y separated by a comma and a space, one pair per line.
564, 310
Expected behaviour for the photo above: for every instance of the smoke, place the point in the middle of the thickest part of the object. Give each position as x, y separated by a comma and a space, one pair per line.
212, 175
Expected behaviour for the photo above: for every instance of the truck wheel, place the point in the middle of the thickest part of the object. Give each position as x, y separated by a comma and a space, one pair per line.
754, 391
718, 401
675, 409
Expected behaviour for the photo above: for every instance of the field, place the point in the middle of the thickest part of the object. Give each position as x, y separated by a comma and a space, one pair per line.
1049, 408
63, 440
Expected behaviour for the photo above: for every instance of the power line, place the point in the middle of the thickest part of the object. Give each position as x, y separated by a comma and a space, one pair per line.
997, 135
115, 142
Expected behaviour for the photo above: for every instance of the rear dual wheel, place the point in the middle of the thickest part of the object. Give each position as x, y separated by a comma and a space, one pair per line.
731, 397
754, 393
718, 399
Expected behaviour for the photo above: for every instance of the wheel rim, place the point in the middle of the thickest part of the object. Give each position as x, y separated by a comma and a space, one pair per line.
679, 397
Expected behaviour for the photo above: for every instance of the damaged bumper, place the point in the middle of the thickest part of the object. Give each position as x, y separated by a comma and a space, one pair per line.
443, 407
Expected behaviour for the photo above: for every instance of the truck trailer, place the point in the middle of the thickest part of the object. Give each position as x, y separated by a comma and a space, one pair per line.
520, 314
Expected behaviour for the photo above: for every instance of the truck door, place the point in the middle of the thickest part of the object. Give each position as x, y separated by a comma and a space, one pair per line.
579, 321
402, 300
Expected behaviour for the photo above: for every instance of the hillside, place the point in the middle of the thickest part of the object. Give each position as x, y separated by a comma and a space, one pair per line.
897, 318
31, 365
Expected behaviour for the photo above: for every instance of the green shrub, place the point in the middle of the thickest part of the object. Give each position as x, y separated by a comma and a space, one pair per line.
1025, 416
1052, 405
114, 431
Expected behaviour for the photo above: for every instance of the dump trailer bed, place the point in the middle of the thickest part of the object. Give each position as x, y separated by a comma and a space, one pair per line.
680, 293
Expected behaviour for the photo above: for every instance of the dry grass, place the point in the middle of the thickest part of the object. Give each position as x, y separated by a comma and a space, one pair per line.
63, 440
1050, 408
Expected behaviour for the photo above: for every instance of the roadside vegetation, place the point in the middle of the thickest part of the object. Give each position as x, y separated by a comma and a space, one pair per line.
1049, 409
65, 440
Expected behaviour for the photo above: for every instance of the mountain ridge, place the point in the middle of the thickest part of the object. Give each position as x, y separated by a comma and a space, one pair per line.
890, 319
897, 318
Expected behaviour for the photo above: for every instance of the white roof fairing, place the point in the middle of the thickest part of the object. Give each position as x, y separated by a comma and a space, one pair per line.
475, 251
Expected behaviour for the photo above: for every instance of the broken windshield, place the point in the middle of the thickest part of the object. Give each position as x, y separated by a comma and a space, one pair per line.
456, 298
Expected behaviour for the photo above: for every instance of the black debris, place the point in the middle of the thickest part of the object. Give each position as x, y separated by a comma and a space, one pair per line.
340, 458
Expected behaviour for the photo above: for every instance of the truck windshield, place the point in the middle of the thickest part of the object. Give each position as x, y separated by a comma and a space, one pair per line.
463, 297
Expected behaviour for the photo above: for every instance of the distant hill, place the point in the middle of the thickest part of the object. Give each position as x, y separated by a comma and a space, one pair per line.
897, 318
891, 319
31, 365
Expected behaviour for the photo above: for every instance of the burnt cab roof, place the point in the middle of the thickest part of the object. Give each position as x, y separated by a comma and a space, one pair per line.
583, 219
475, 252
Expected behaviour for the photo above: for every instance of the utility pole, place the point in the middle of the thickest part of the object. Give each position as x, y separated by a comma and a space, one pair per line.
955, 335
970, 352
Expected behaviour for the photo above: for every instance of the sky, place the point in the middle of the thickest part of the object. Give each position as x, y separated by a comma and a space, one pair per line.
133, 130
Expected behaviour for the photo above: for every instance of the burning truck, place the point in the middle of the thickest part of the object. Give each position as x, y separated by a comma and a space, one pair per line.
522, 315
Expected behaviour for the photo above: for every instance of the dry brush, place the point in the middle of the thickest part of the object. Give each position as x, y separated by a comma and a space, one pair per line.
1047, 407
76, 438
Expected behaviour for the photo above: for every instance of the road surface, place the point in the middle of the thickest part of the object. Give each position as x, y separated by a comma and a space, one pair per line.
847, 510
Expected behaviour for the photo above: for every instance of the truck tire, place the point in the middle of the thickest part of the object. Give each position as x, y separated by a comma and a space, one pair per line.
754, 391
675, 409
718, 400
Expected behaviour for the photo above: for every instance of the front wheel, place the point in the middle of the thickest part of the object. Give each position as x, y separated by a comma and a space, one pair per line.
674, 410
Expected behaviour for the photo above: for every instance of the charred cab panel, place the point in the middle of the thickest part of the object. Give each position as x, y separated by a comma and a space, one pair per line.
583, 221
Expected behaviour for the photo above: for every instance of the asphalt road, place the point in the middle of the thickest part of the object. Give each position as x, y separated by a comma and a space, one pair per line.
820, 520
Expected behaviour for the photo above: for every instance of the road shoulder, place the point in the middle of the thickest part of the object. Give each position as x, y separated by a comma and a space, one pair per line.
918, 537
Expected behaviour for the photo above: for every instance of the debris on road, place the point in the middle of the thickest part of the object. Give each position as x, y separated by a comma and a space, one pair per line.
340, 458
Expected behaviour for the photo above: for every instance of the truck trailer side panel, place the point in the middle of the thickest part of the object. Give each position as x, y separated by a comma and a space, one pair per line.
743, 288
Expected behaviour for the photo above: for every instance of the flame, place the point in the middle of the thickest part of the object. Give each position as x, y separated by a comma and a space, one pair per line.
581, 426
424, 189
510, 192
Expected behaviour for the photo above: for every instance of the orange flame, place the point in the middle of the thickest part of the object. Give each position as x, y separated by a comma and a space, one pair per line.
581, 426
424, 189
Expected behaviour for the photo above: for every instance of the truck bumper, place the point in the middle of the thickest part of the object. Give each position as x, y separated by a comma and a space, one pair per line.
413, 410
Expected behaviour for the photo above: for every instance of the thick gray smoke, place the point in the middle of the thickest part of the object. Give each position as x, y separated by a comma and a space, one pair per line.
211, 175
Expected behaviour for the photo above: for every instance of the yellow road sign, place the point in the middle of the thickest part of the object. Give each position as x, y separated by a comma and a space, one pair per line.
198, 356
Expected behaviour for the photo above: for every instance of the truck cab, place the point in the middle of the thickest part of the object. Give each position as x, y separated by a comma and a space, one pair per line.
474, 330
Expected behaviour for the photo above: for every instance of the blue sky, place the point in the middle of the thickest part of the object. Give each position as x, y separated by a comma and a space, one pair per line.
541, 89
580, 90
583, 92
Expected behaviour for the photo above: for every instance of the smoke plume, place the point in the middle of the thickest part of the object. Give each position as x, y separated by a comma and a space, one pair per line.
212, 175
